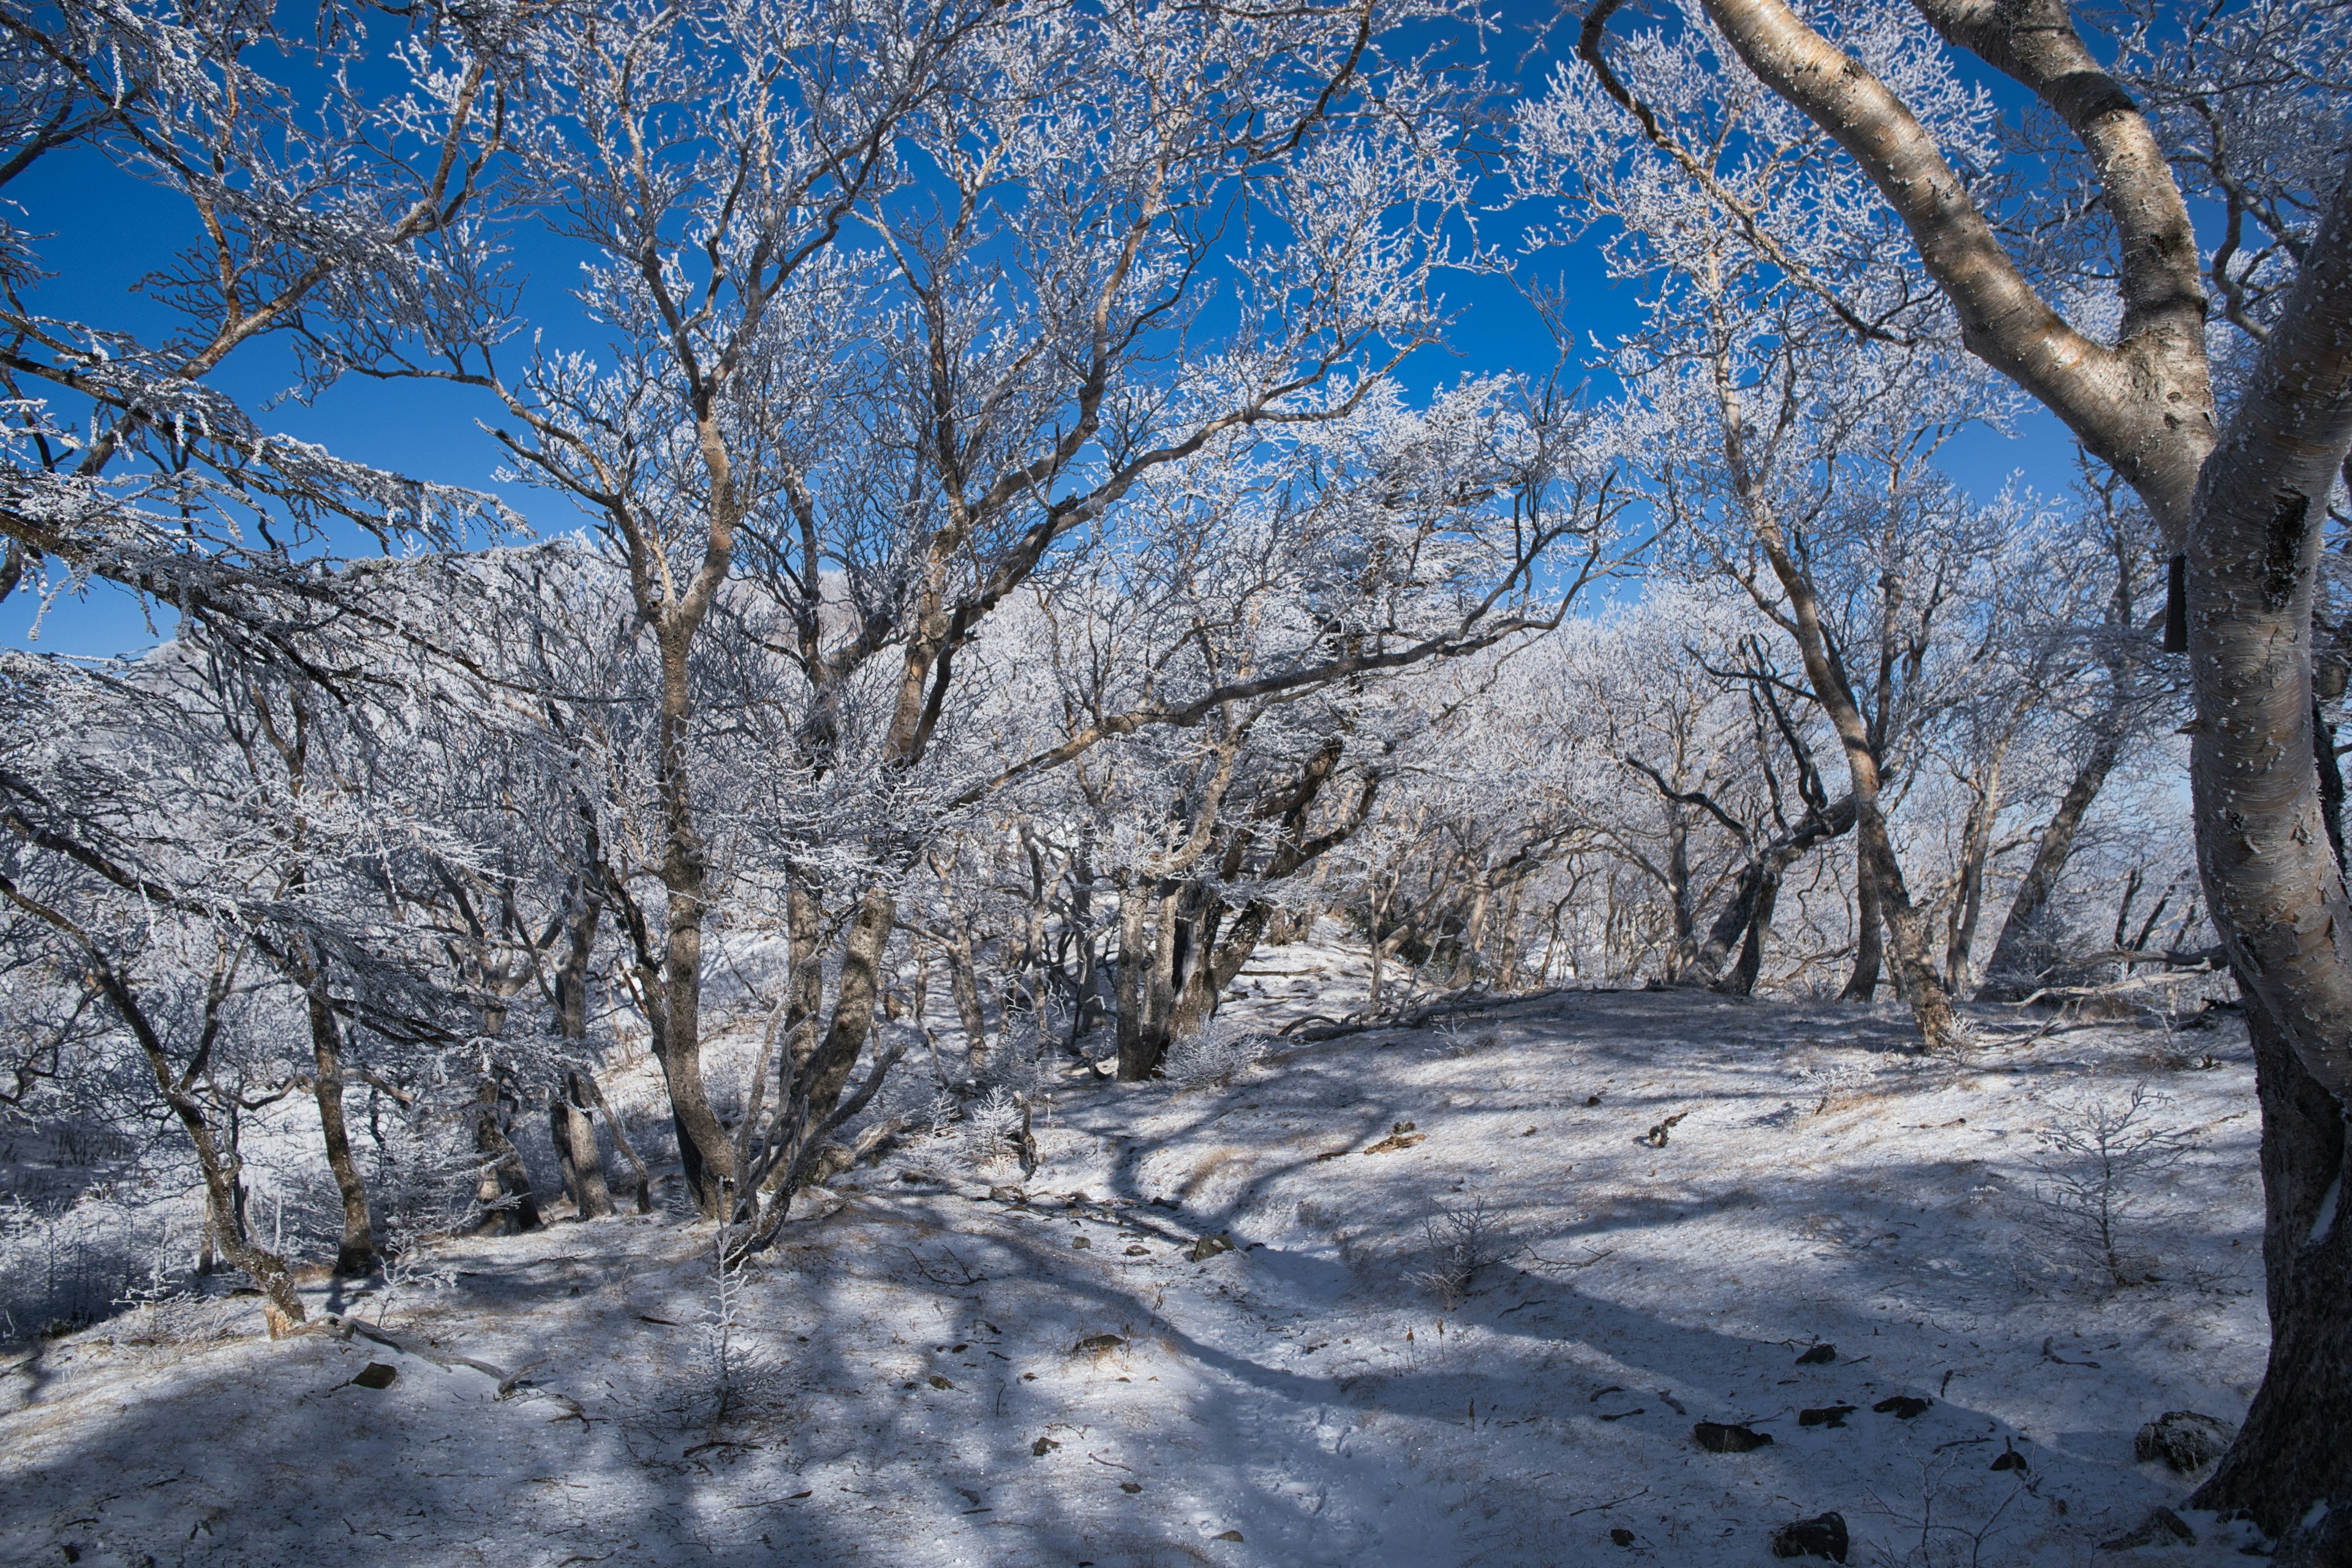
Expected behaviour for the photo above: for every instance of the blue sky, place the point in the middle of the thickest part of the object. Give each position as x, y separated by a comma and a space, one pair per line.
107, 230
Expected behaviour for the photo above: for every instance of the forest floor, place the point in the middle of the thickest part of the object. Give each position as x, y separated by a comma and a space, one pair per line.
951, 1364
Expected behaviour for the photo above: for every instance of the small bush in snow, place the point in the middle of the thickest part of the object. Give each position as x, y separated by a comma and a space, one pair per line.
1460, 1243
992, 1127
1830, 1086
1212, 1058
732, 1376
1461, 1038
944, 1112
2100, 1161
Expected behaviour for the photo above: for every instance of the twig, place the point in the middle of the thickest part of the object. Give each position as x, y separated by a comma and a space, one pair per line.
1570, 1263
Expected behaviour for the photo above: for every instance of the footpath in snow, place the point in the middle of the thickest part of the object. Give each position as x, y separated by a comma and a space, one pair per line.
1698, 1210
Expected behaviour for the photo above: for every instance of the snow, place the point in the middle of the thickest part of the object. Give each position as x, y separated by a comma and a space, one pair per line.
1307, 1390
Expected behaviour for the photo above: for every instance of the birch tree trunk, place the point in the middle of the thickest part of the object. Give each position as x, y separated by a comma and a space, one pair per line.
2276, 892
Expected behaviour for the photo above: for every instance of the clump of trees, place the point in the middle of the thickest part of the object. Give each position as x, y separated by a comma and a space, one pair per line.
1009, 562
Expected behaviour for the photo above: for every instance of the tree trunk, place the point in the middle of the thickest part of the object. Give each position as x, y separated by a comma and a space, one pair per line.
1968, 898
569, 1124
1747, 917
703, 1148
1862, 985
620, 1141
854, 999
355, 1254
2292, 1447
1473, 933
1741, 982
1136, 1063
2017, 962
1678, 888
2275, 888
1879, 874
1507, 968
963, 982
804, 987
504, 1184
575, 1134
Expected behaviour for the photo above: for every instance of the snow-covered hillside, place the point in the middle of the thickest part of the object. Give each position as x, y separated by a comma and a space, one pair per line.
954, 1365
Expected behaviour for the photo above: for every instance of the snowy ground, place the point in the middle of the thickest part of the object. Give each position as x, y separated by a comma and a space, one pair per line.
1306, 1398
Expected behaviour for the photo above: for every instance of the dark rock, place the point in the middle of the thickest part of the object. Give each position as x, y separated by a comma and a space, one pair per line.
1827, 1416
1819, 1355
2162, 1528
2183, 1440
1208, 1247
2011, 1460
1228, 1535
1621, 1535
1719, 1437
376, 1374
1902, 1407
1094, 1344
1823, 1537
1042, 1447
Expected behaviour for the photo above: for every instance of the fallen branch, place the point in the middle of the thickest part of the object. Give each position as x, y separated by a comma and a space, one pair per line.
1316, 1027
510, 1383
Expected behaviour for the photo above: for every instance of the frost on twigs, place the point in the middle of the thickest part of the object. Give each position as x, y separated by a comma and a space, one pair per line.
425, 1184
997, 1129
2101, 1163
166, 1312
1458, 1245
1832, 1087
732, 1376
1214, 1058
1460, 1037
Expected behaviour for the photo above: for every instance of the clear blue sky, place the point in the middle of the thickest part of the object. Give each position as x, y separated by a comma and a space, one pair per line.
107, 230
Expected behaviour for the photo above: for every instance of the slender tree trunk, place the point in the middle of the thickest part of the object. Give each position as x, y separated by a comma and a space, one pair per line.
217, 1164
804, 988
860, 986
1879, 872
355, 1254
963, 982
569, 1124
1507, 971
504, 1186
1136, 1062
1474, 932
1678, 890
1742, 979
704, 1150
582, 1164
1869, 958
2016, 964
1968, 898
620, 1141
